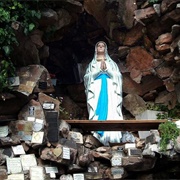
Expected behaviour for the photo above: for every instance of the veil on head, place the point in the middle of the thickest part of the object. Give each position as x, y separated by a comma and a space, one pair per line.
106, 51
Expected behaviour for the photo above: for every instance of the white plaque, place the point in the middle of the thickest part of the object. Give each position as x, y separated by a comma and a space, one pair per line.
48, 105
51, 169
37, 137
130, 145
52, 175
116, 160
36, 173
92, 169
27, 161
16, 177
117, 172
66, 177
66, 153
17, 150
40, 121
3, 131
76, 136
14, 165
30, 118
37, 126
78, 176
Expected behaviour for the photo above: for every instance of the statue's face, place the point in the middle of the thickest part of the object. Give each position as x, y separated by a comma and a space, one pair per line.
100, 47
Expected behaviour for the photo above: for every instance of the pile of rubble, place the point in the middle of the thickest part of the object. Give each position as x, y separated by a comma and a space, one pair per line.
40, 146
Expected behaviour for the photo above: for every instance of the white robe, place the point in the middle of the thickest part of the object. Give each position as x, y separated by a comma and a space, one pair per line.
114, 88
93, 88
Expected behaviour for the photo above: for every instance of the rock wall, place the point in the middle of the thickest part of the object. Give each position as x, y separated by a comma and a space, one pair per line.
142, 37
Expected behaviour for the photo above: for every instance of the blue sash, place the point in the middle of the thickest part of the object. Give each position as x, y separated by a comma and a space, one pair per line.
102, 105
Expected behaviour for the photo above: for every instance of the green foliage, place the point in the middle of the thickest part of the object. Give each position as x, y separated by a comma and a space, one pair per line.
167, 113
153, 106
7, 69
168, 131
14, 15
19, 13
162, 115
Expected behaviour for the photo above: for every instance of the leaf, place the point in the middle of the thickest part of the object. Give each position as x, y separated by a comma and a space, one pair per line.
6, 49
33, 12
31, 26
38, 15
25, 31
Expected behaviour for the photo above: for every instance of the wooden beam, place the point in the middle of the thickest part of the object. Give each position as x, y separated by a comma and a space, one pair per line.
116, 125
7, 118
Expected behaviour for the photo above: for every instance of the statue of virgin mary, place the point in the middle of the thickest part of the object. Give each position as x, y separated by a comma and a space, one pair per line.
103, 88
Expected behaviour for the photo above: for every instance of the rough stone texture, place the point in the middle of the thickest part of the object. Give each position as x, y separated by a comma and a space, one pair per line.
43, 98
49, 17
139, 58
26, 49
145, 43
177, 89
30, 76
36, 38
133, 35
142, 164
164, 38
144, 14
130, 86
71, 109
134, 103
167, 98
126, 12
3, 172
38, 110
168, 5
169, 85
96, 9
164, 70
14, 102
